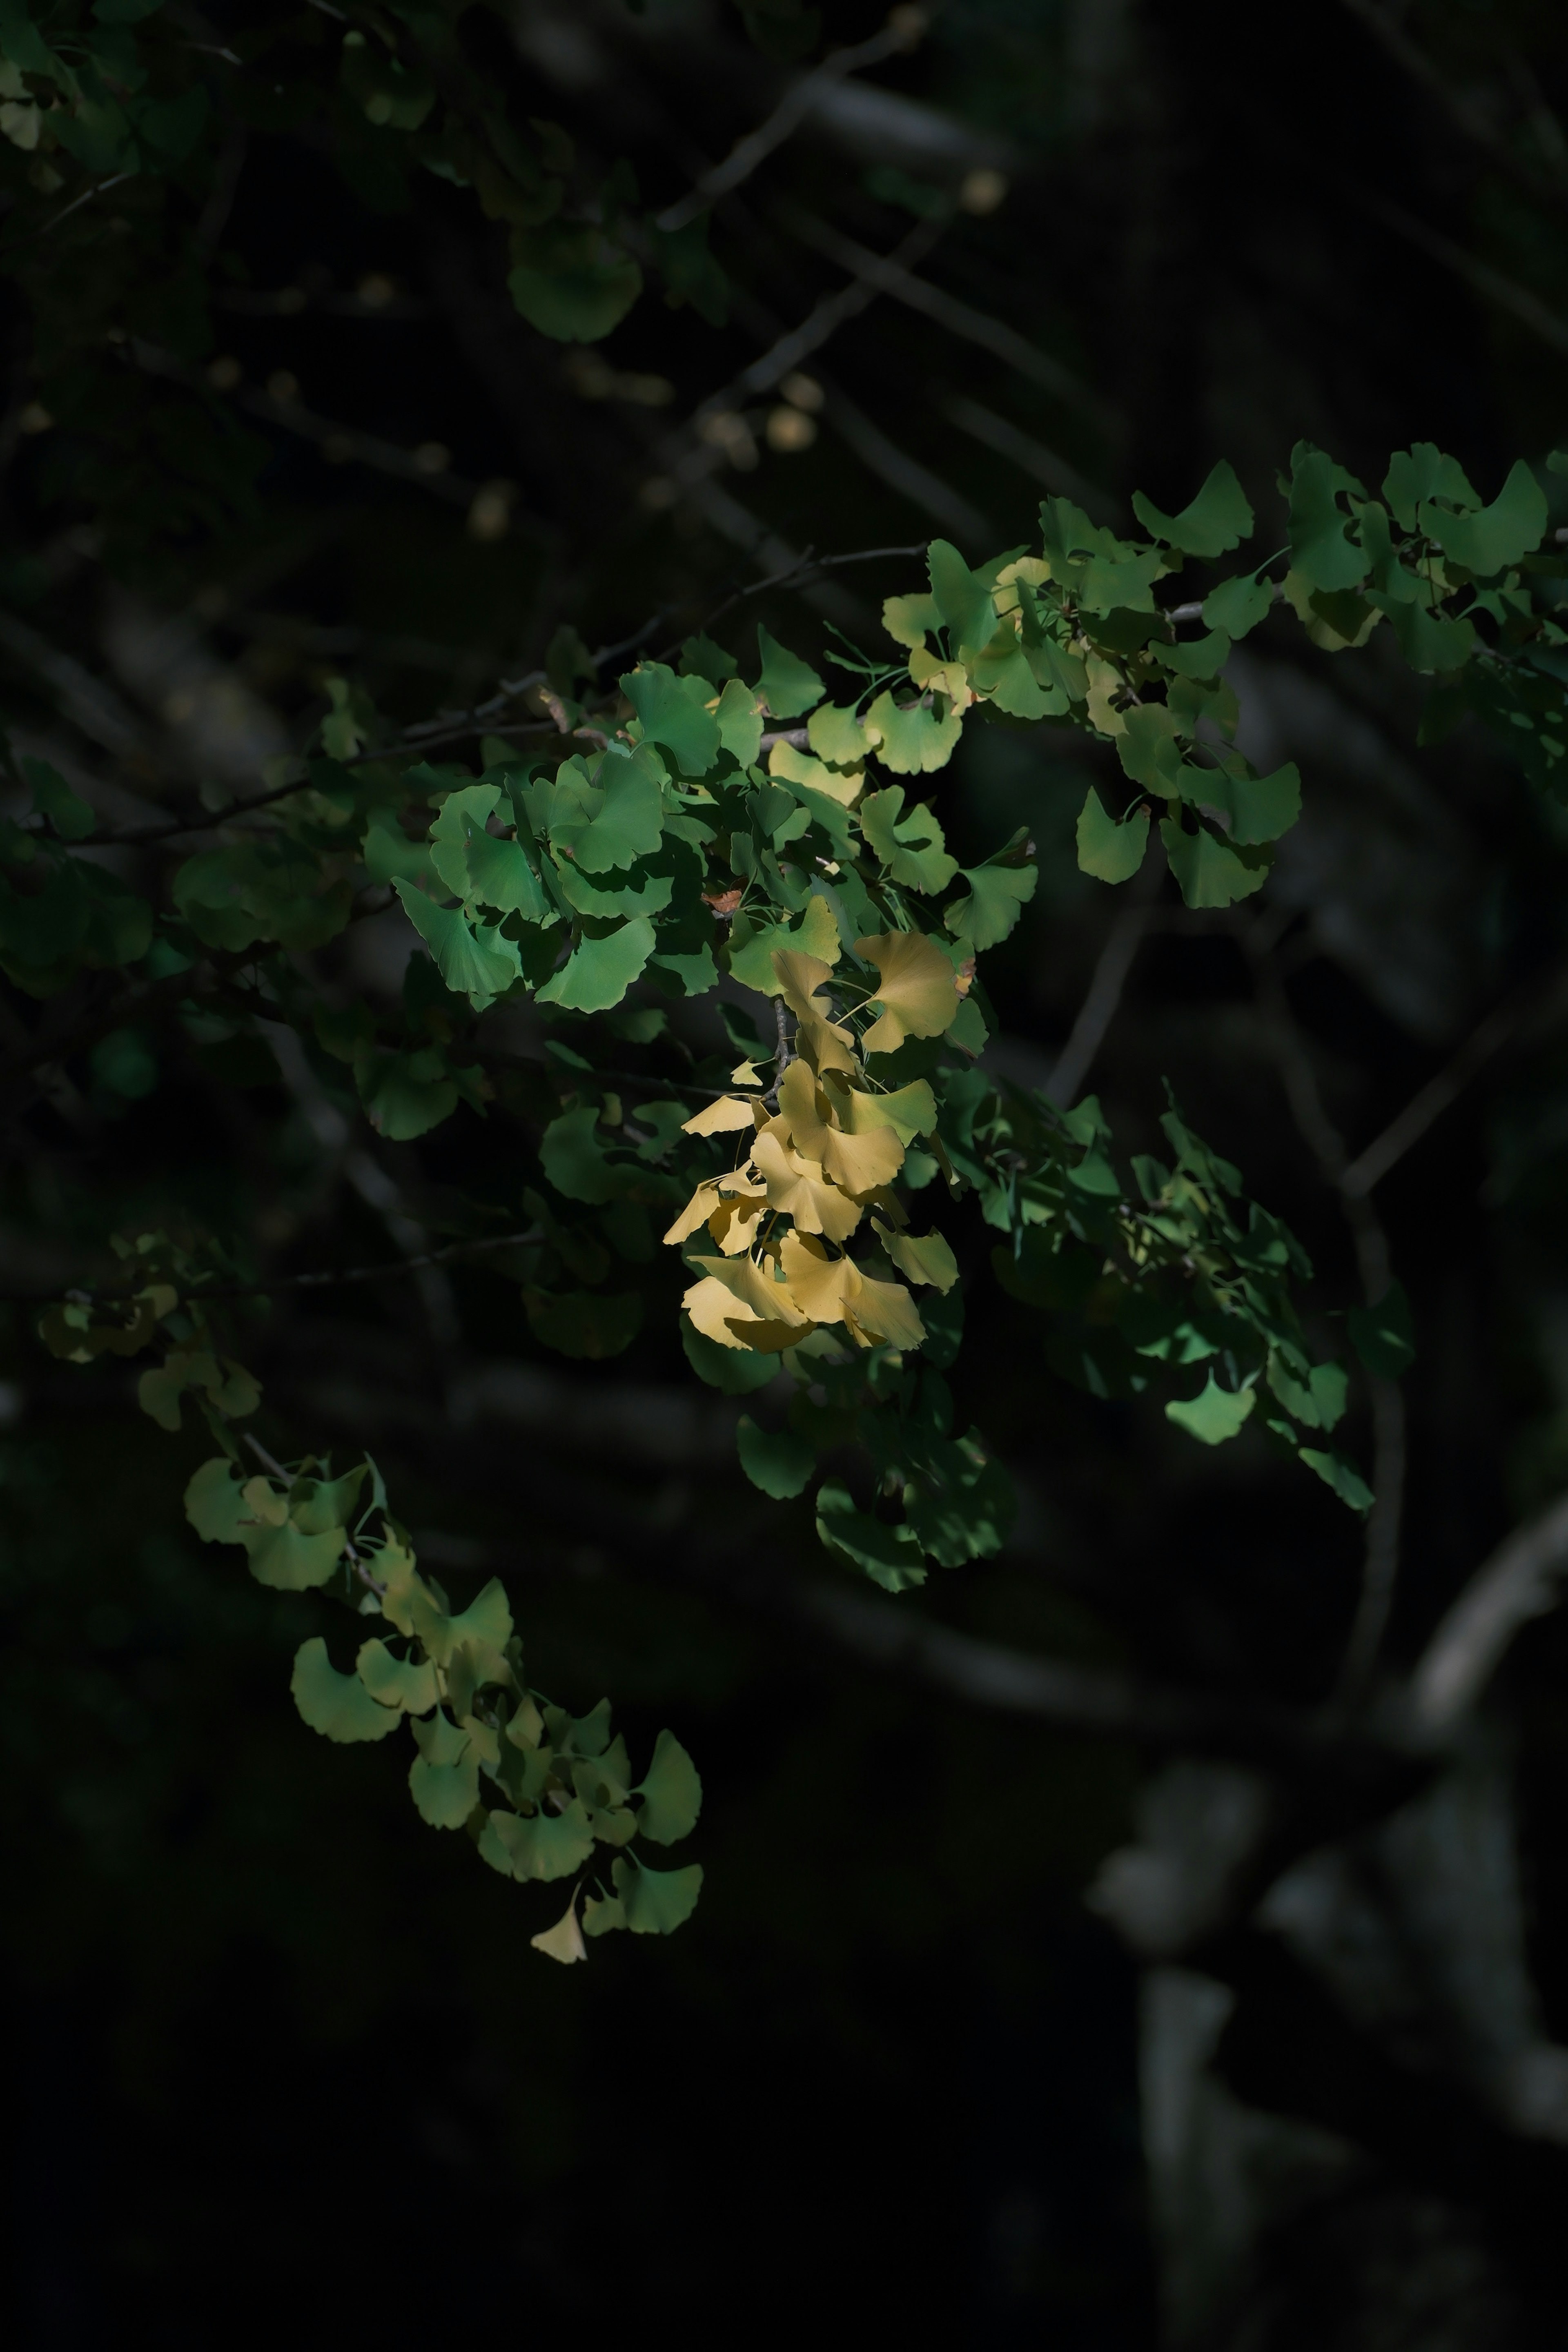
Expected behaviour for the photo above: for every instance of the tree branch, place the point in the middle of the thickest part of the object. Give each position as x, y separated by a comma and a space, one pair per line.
900, 34
1521, 1580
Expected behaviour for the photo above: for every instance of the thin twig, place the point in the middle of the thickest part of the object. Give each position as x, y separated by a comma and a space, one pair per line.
1466, 116
1379, 1565
892, 276
786, 118
1098, 1008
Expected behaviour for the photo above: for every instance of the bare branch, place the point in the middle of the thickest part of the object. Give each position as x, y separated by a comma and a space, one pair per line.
1380, 1566
1503, 292
1521, 1580
891, 275
1098, 1008
902, 33
1466, 116
1045, 466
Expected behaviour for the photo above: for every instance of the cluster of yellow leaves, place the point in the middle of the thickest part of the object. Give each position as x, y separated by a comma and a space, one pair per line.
819, 1164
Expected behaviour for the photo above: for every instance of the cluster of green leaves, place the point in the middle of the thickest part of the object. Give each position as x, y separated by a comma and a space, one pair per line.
535, 1788
1162, 1272
718, 819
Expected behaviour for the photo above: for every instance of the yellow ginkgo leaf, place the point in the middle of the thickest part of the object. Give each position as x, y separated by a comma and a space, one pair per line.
862, 1163
917, 991
826, 1047
818, 1283
740, 1305
800, 1189
822, 1040
736, 1224
716, 1117
697, 1211
884, 1311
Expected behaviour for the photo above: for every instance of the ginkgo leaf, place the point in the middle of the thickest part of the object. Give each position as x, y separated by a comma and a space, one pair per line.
598, 973
836, 736
670, 716
656, 1902
911, 739
718, 1118
546, 1846
337, 1705
917, 991
884, 1312
923, 1258
1215, 1414
857, 1163
741, 1307
908, 1110
889, 1555
396, 1682
787, 685
813, 934
800, 1189
1218, 518
215, 1504
443, 1778
1211, 873
480, 967
563, 1942
818, 1283
740, 722
290, 1562
671, 1793
777, 1462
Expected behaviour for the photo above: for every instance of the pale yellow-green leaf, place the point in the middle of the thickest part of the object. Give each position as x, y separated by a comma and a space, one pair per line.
922, 1257
918, 989
564, 1942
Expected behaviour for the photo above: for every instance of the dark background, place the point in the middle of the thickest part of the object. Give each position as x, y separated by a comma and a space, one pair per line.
281, 2058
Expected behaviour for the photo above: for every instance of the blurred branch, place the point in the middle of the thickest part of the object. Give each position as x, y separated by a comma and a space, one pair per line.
905, 475
1100, 1005
1522, 1579
1043, 466
1504, 292
1441, 1092
889, 274
902, 32
390, 1269
821, 323
1461, 110
1380, 1566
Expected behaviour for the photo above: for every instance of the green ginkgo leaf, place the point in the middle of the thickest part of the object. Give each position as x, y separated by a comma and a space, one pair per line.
1111, 852
545, 1845
778, 1464
337, 1705
788, 686
443, 1778
289, 1562
656, 1902
399, 1682
1218, 518
670, 716
598, 973
671, 1793
1215, 1414
477, 964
